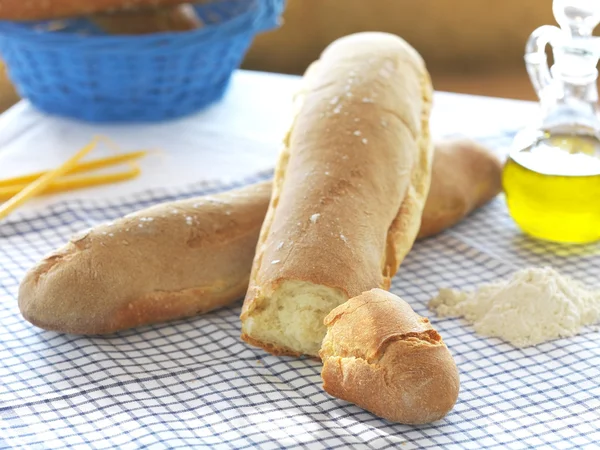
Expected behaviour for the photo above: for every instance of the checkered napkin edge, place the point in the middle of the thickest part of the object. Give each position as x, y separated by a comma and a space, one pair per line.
194, 384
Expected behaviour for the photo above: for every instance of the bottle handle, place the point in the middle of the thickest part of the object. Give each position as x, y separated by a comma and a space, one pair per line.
536, 60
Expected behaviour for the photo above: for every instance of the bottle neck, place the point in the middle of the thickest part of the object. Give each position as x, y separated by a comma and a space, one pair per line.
572, 98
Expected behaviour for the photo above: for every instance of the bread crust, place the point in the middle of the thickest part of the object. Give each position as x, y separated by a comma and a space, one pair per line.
167, 262
176, 18
348, 195
465, 175
380, 355
24, 10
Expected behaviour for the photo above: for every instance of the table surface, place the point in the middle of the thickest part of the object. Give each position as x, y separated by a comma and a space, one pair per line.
194, 384
230, 140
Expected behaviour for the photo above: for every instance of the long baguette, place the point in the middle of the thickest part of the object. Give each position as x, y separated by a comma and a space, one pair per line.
72, 290
348, 195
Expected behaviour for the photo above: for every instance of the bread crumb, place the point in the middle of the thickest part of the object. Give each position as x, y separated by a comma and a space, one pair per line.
276, 261
111, 234
146, 219
334, 100
326, 173
364, 141
357, 133
315, 217
141, 225
344, 238
280, 246
337, 109
174, 211
189, 220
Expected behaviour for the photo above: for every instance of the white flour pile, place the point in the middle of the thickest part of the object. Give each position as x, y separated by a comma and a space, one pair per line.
534, 306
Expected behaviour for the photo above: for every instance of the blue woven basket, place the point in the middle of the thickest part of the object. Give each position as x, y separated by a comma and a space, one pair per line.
81, 73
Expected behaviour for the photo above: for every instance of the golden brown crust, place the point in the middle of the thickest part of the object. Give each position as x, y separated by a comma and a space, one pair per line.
383, 357
475, 169
166, 262
23, 10
147, 21
348, 193
465, 176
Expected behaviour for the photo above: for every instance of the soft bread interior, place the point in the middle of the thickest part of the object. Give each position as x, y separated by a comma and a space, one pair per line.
292, 316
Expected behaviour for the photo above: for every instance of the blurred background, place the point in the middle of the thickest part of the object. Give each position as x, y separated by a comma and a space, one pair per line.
469, 46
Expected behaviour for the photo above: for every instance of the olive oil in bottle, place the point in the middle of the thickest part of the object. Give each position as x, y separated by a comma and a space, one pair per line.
553, 188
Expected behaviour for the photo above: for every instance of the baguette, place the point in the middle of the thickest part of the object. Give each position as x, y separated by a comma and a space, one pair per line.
348, 195
383, 357
45, 301
167, 262
25, 10
148, 21
465, 176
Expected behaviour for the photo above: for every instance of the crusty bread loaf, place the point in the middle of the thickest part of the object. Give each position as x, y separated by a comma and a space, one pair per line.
58, 9
382, 356
348, 193
40, 300
148, 21
465, 175
170, 261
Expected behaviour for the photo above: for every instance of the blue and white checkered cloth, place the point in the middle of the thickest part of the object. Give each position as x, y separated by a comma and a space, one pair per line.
194, 384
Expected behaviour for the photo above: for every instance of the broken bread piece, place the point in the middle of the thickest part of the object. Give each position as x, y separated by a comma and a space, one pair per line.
382, 356
348, 193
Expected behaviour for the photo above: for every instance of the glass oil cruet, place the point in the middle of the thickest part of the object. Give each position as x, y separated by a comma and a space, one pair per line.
552, 175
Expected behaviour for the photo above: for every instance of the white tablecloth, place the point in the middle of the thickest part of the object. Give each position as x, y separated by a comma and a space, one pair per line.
194, 384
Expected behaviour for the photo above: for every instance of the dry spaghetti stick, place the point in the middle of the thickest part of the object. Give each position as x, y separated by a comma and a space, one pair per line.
81, 167
42, 183
72, 183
